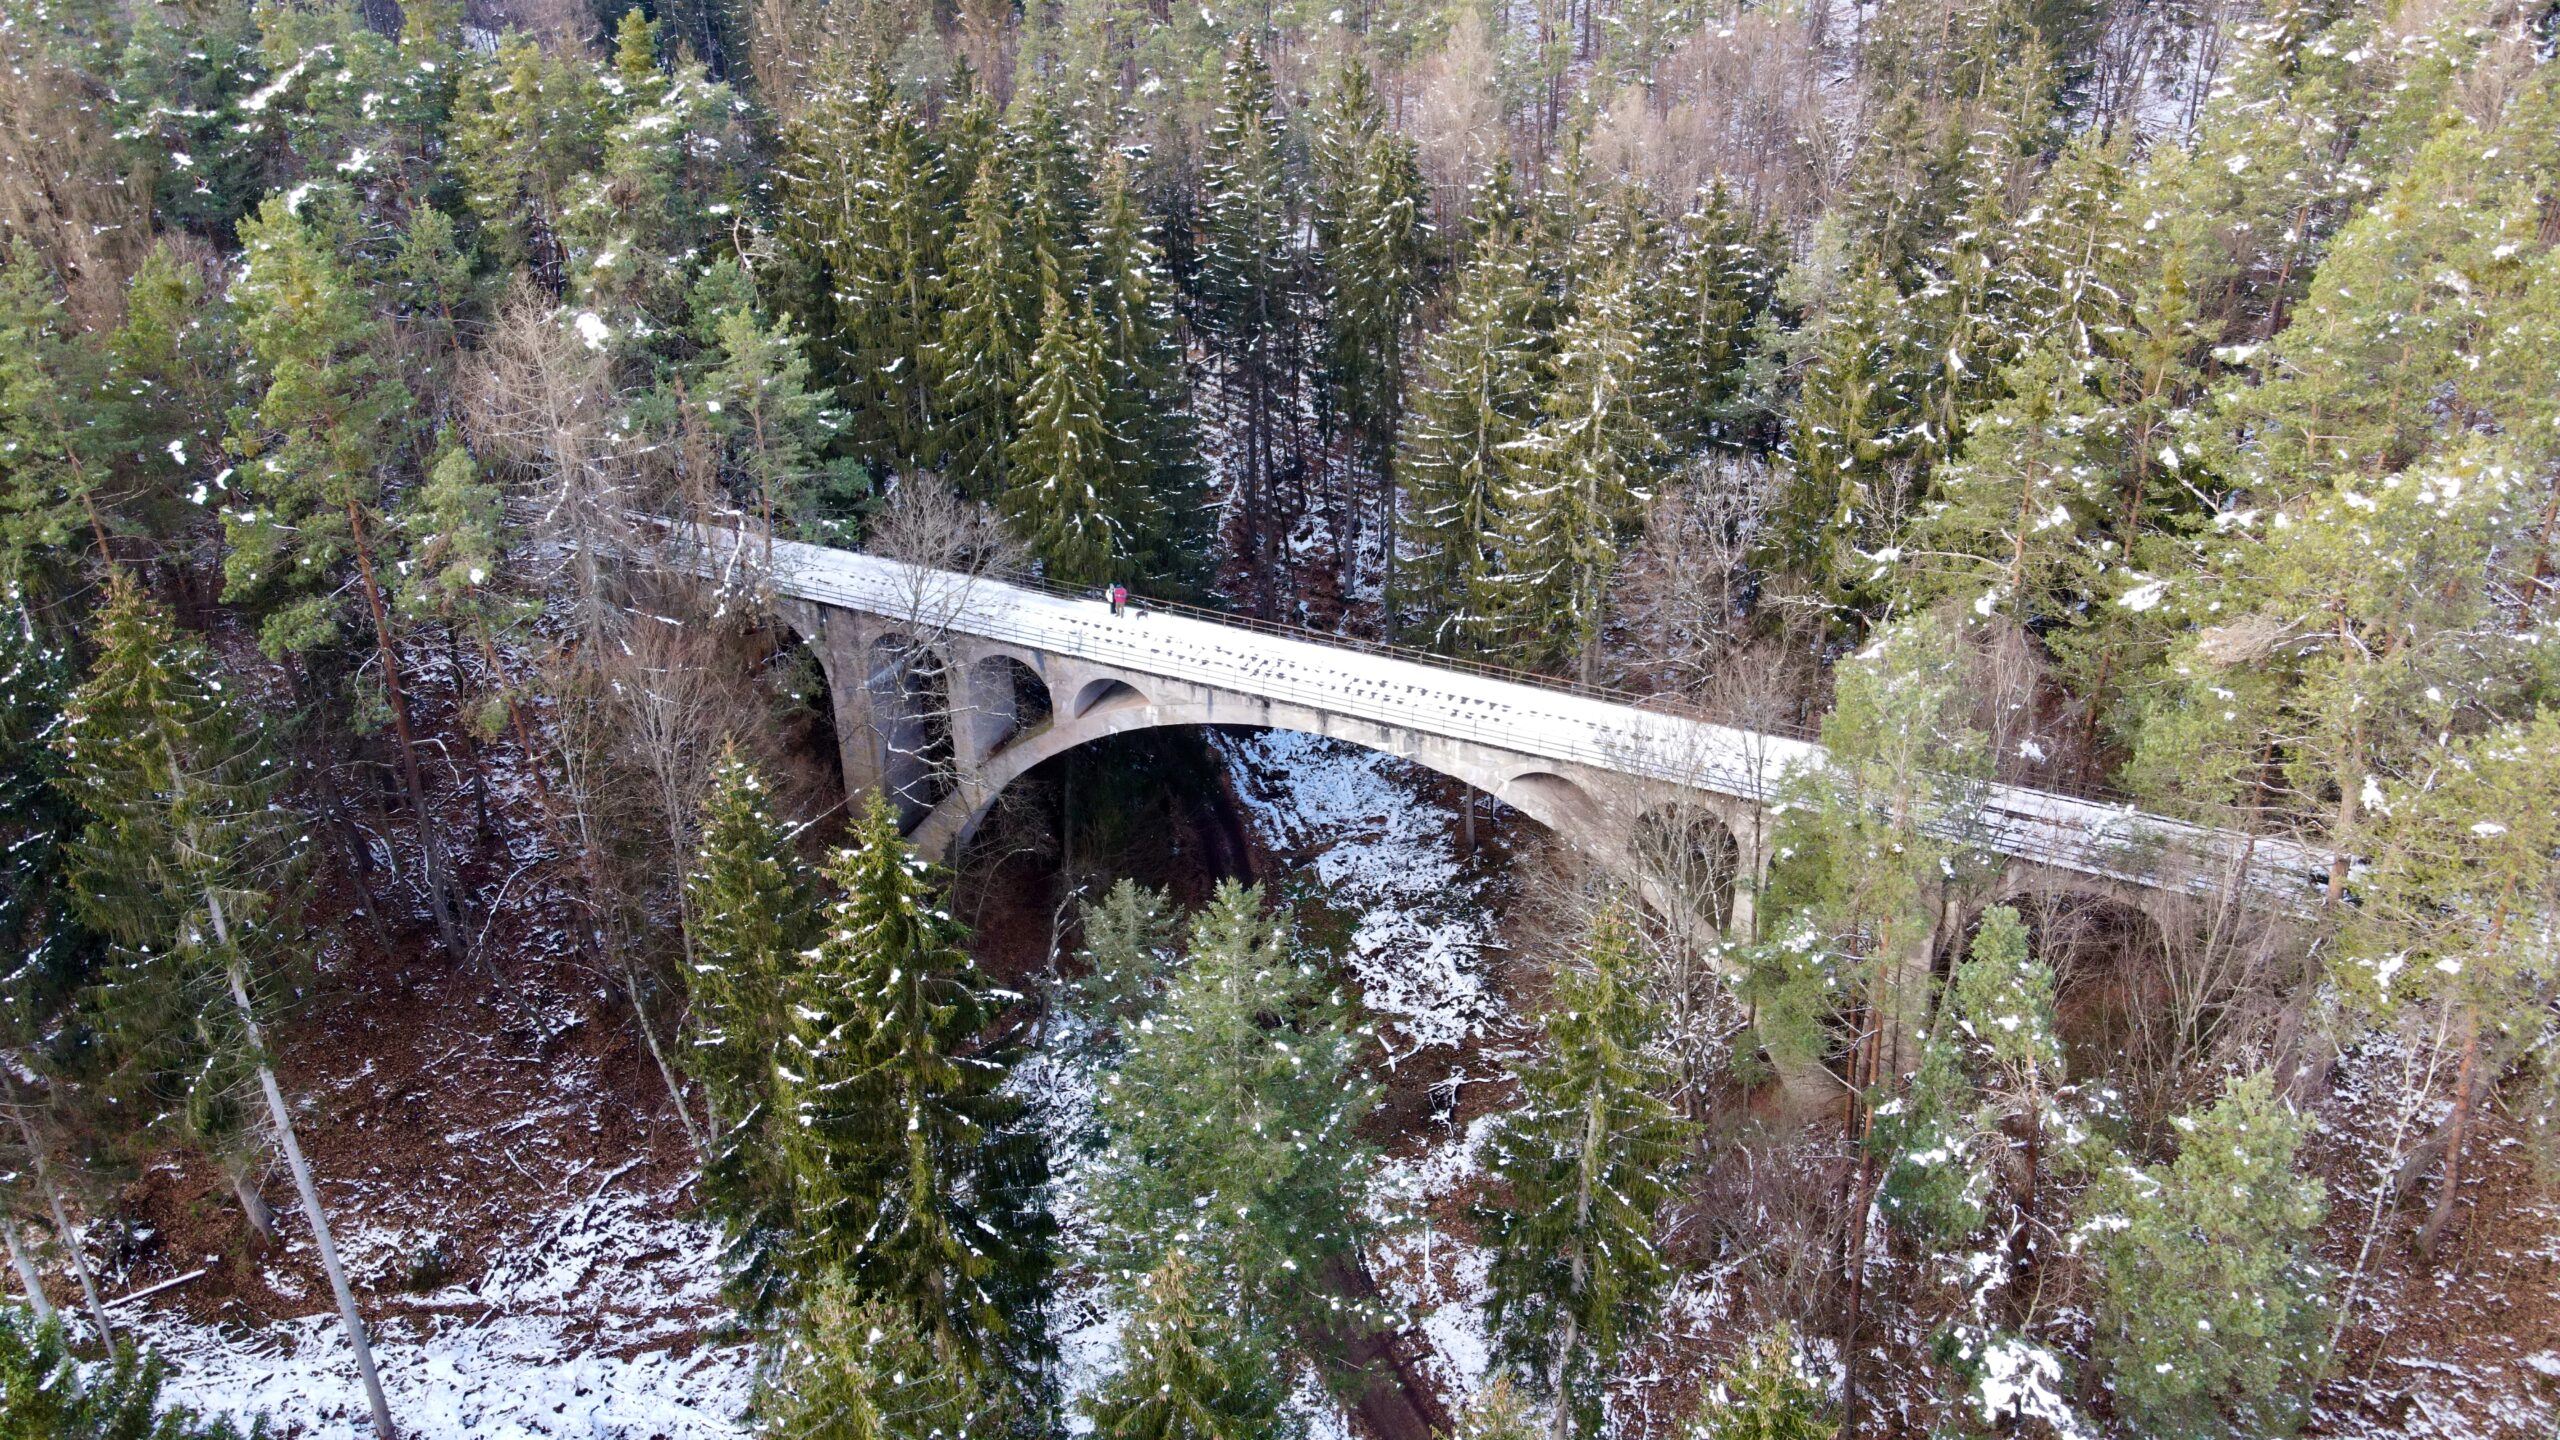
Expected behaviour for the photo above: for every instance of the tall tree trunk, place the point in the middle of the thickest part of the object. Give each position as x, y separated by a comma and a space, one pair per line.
2466, 1084
26, 1267
281, 1116
253, 1206
470, 738
71, 1246
430, 841
1861, 1200
62, 1226
666, 1072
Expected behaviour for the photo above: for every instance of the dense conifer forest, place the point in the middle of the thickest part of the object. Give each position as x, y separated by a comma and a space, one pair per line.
434, 898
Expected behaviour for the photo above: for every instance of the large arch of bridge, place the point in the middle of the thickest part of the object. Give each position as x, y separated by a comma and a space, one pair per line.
1103, 706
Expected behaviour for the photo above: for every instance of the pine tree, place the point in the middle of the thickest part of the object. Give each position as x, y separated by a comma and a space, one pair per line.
753, 910
2019, 524
1231, 1125
1181, 1377
984, 346
1876, 843
857, 1368
1989, 1067
2285, 626
2208, 1282
1147, 401
181, 865
1479, 395
916, 1178
312, 456
1497, 1412
771, 421
1575, 483
1764, 1395
2462, 866
1585, 1166
1064, 491
1250, 289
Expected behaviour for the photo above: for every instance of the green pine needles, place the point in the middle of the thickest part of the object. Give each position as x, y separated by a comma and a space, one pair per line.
914, 1174
1583, 1169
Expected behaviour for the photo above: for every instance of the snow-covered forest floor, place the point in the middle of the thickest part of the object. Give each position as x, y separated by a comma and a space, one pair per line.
514, 1194
514, 1211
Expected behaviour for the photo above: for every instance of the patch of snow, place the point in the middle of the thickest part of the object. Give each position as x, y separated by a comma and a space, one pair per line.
1383, 855
586, 1326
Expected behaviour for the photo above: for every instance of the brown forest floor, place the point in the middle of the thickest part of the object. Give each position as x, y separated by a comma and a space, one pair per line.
448, 1103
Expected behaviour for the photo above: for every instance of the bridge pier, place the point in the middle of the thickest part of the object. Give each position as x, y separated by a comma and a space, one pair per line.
841, 641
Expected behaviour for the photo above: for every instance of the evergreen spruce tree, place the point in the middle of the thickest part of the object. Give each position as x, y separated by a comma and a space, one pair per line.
1181, 1376
308, 504
1584, 1167
1231, 1126
37, 822
1065, 493
1146, 398
47, 1394
1478, 396
1371, 231
914, 1176
526, 125
1714, 288
984, 346
1250, 297
1850, 431
861, 224
1575, 483
858, 1368
57, 955
181, 865
2208, 1283
1129, 949
53, 466
753, 912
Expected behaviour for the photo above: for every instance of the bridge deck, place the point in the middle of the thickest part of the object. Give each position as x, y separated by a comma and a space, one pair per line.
2111, 841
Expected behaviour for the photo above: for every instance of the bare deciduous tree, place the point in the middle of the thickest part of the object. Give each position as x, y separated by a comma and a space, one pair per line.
1684, 592
541, 404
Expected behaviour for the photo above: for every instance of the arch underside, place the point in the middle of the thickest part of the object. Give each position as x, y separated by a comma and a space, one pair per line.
1104, 706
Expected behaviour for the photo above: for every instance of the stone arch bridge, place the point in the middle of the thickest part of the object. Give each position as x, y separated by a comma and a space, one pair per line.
947, 687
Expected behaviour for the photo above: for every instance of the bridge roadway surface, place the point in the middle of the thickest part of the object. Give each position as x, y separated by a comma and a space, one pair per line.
2091, 837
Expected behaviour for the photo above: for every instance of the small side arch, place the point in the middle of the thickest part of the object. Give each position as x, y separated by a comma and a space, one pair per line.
1689, 859
1552, 801
1096, 696
1007, 700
